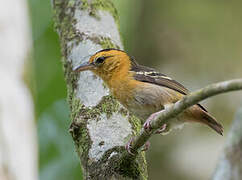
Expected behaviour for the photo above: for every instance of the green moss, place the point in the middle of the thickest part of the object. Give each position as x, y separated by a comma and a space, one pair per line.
71, 3
107, 43
122, 167
129, 167
64, 23
108, 105
136, 124
96, 5
84, 5
143, 166
71, 80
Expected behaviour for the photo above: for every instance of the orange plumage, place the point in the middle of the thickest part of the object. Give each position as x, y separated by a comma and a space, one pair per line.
142, 90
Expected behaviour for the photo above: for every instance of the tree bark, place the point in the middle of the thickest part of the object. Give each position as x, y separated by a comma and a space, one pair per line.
230, 164
18, 142
100, 125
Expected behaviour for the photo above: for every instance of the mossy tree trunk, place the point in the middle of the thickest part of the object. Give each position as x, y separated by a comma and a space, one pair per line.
230, 164
100, 125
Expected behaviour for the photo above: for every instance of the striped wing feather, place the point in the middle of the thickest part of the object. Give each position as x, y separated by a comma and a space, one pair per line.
149, 75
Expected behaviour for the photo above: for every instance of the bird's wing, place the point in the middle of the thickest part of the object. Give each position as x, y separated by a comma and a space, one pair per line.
161, 80
149, 75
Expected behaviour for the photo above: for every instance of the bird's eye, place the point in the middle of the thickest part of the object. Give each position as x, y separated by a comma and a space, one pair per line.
100, 60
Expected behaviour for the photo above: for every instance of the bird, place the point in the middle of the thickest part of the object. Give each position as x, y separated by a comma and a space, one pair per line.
143, 91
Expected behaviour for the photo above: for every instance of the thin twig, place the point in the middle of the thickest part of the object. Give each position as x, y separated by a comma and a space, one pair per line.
181, 105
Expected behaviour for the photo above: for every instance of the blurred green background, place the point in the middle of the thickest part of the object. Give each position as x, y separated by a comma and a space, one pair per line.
195, 42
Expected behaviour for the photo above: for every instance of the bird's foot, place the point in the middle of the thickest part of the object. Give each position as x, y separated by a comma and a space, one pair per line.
146, 146
129, 148
147, 125
162, 129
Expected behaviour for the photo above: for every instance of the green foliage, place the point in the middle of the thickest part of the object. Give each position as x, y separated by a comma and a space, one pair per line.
58, 160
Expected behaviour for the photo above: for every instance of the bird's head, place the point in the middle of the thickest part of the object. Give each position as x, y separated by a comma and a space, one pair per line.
107, 63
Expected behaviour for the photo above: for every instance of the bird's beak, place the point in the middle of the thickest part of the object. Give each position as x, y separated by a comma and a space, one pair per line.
84, 67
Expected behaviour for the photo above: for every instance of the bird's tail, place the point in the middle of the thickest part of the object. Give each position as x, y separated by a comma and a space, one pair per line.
212, 123
201, 115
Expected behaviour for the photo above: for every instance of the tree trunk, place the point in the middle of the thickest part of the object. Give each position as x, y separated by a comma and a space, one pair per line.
100, 125
18, 142
230, 164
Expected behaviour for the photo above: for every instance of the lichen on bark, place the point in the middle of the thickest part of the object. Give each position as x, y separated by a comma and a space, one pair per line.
100, 126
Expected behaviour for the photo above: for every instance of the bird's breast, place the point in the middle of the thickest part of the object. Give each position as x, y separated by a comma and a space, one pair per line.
143, 99
147, 99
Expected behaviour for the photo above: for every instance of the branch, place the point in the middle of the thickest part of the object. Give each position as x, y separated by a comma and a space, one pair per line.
181, 105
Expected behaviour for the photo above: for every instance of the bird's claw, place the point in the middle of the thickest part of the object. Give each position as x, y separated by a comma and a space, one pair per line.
162, 129
147, 125
128, 146
146, 146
